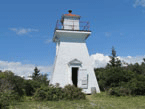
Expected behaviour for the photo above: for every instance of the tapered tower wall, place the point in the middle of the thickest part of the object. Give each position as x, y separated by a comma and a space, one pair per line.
69, 49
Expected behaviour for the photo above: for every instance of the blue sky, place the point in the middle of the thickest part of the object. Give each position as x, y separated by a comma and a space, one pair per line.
26, 30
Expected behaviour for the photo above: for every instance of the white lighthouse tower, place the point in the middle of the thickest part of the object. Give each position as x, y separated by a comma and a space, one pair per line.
72, 63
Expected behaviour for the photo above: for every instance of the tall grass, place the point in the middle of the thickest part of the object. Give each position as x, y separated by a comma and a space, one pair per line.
98, 101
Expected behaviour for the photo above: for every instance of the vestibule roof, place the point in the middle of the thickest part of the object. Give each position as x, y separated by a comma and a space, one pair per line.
75, 61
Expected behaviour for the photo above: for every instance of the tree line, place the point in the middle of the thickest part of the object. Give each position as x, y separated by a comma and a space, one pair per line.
117, 79
14, 88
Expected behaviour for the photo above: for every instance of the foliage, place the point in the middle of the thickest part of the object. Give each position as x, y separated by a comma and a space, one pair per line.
4, 100
7, 92
119, 80
72, 92
114, 62
36, 74
137, 68
15, 83
30, 86
18, 83
38, 80
49, 93
41, 78
13, 87
54, 92
119, 91
113, 77
137, 85
144, 59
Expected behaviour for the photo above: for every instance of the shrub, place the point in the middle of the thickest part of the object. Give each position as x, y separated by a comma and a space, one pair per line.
6, 97
119, 91
14, 82
113, 77
71, 92
54, 92
49, 93
41, 93
137, 85
30, 86
4, 100
7, 92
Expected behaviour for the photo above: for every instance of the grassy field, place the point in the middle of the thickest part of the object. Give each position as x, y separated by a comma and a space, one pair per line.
98, 101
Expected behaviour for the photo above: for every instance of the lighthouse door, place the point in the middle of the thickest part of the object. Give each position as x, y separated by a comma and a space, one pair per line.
83, 78
75, 76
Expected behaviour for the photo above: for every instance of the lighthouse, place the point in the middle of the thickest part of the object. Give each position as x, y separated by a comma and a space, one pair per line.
72, 62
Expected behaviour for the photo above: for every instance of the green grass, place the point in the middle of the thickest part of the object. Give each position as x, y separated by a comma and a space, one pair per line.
98, 101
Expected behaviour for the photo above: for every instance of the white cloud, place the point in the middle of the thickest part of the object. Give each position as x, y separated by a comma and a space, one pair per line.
23, 31
130, 59
139, 3
100, 60
23, 69
107, 34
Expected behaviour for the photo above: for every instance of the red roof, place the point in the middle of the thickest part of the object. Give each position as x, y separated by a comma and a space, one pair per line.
70, 14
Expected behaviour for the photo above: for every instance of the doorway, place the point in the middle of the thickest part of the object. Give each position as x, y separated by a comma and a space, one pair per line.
75, 76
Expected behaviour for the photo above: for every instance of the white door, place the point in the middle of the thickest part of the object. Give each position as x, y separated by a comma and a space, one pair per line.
83, 78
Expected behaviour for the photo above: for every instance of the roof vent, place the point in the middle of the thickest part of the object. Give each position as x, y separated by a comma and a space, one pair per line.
70, 11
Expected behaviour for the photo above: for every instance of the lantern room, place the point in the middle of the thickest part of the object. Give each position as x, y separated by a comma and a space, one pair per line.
70, 21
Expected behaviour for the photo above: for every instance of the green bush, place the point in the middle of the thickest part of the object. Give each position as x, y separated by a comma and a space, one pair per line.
119, 91
113, 77
11, 88
49, 93
71, 92
30, 86
41, 93
54, 92
4, 100
6, 97
14, 82
137, 85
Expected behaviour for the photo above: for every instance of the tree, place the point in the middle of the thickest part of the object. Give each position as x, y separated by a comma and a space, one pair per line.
36, 74
11, 82
41, 78
144, 59
114, 62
